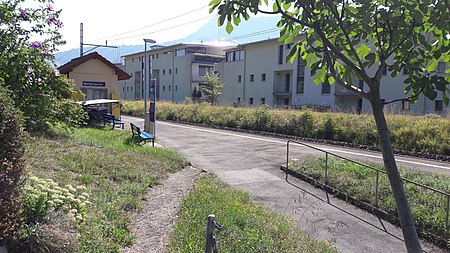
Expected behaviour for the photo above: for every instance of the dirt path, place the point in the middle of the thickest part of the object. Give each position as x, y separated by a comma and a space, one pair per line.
153, 225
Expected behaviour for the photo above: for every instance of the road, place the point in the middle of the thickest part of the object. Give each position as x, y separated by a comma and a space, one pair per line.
252, 162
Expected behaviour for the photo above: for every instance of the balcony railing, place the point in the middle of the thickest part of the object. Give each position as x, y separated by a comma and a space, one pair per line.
282, 89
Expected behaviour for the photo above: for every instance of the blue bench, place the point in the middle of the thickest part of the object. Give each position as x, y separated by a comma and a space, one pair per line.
143, 136
110, 119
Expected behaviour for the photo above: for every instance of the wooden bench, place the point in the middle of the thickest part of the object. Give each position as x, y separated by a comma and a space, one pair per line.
110, 119
143, 136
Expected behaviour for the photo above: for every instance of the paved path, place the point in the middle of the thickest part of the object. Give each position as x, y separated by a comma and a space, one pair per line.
251, 163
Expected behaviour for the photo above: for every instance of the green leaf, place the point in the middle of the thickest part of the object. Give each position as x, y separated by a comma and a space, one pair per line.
229, 27
432, 65
363, 50
214, 2
331, 80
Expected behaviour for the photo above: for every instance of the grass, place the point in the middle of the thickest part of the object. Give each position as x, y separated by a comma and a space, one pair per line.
116, 172
428, 134
248, 227
428, 208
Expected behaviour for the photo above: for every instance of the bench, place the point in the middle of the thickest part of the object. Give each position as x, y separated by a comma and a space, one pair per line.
110, 119
143, 136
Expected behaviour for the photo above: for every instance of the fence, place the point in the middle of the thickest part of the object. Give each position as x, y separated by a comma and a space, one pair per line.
378, 171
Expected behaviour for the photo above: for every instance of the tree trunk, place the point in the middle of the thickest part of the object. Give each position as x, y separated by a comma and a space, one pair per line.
404, 211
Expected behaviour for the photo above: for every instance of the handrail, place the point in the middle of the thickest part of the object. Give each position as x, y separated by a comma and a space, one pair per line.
447, 226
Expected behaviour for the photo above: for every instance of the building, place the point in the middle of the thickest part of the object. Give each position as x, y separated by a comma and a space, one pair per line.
95, 76
177, 71
257, 73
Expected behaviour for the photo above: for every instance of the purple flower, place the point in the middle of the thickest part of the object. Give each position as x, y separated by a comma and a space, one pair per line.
39, 80
30, 70
59, 23
49, 7
36, 44
56, 72
51, 19
25, 15
44, 52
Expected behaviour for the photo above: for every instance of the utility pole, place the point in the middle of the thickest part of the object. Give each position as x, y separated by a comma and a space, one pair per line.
94, 45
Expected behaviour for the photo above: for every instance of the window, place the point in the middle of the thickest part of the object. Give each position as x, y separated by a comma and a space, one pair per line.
180, 52
439, 106
441, 67
361, 84
239, 78
280, 54
263, 101
263, 77
170, 71
131, 88
131, 74
252, 78
300, 85
164, 71
164, 88
128, 89
170, 87
176, 70
132, 59
286, 101
289, 46
202, 70
385, 70
123, 89
238, 55
406, 104
176, 87
251, 101
326, 88
157, 55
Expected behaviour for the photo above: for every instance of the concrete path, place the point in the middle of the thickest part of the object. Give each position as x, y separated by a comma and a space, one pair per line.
252, 162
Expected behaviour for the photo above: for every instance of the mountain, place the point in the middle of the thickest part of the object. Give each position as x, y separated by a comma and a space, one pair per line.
257, 28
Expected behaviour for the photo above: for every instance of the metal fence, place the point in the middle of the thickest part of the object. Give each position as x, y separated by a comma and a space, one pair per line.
378, 171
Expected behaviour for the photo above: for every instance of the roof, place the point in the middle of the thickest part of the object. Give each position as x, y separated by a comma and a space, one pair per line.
98, 101
66, 68
194, 44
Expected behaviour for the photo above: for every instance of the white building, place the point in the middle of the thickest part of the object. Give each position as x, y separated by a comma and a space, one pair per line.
177, 70
257, 73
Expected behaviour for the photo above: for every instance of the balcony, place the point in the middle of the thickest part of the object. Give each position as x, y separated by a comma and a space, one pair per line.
282, 89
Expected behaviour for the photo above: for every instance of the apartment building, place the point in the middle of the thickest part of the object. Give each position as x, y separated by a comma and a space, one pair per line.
177, 71
257, 73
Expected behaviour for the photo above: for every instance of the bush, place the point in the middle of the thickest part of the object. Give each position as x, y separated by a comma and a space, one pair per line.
425, 134
12, 166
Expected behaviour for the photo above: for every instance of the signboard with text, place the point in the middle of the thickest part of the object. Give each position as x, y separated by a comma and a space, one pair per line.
95, 84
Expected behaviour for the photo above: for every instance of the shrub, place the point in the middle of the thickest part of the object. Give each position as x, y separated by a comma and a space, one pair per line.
12, 166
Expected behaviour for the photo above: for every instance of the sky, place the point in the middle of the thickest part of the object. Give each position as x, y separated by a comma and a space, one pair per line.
129, 22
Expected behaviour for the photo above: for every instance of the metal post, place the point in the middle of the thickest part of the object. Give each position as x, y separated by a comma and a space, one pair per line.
447, 226
326, 168
209, 233
377, 189
145, 88
81, 39
287, 159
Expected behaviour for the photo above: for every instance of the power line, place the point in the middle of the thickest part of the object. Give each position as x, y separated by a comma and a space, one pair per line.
157, 23
168, 28
243, 36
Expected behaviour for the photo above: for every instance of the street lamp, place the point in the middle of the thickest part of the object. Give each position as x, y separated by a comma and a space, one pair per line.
147, 127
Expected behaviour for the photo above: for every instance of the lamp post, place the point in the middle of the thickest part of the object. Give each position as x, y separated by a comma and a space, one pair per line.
147, 127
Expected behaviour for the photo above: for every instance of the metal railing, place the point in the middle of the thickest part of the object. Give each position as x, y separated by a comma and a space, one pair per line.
211, 243
377, 180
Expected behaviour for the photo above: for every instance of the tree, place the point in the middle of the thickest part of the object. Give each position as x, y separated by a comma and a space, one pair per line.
213, 87
29, 37
348, 39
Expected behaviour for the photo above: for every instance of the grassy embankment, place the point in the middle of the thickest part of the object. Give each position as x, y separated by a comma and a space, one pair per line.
424, 134
117, 173
358, 182
247, 227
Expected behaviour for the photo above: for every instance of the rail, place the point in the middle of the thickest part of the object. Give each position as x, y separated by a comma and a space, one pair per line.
378, 171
